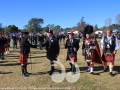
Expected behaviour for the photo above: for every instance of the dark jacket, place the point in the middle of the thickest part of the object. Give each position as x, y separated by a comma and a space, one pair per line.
41, 38
2, 41
112, 46
25, 46
70, 46
52, 47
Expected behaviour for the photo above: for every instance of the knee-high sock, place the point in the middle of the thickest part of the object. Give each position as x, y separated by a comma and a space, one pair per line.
25, 69
70, 65
73, 67
2, 55
22, 68
52, 65
91, 67
111, 67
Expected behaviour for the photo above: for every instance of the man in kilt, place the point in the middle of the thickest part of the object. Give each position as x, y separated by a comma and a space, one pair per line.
24, 51
110, 45
90, 49
72, 45
52, 47
7, 45
2, 46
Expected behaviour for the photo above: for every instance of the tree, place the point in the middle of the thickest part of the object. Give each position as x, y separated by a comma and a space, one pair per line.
95, 27
115, 26
118, 19
45, 29
108, 22
81, 24
34, 25
57, 29
1, 27
51, 26
11, 28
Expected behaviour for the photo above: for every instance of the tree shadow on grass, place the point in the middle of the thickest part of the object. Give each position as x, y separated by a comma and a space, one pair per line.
16, 64
117, 70
38, 56
46, 72
38, 52
100, 69
1, 72
3, 61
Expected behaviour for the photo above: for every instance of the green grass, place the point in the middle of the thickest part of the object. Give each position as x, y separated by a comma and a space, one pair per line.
40, 78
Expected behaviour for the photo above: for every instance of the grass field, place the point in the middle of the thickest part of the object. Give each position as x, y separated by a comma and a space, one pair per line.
10, 73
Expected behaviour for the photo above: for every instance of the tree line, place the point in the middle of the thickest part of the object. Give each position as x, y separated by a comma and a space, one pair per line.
35, 25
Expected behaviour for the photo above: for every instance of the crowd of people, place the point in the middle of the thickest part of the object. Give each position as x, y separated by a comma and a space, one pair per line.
90, 48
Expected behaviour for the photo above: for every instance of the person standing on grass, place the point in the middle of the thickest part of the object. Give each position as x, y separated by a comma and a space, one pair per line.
14, 41
40, 41
73, 46
24, 52
2, 46
20, 38
109, 45
90, 49
52, 47
7, 46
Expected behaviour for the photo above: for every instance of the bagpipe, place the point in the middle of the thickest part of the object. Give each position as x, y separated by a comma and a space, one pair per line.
88, 56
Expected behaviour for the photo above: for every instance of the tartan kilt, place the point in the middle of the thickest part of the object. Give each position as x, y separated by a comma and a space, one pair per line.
107, 58
7, 46
23, 58
72, 59
2, 49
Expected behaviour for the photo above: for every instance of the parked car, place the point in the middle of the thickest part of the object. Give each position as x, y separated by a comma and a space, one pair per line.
116, 30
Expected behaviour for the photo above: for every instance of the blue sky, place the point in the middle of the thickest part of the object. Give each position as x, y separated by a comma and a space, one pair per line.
66, 13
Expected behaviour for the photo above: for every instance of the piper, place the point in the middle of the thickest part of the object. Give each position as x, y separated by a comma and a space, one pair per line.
90, 49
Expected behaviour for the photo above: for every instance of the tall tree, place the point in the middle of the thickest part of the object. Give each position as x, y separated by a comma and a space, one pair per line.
34, 25
57, 29
118, 19
11, 28
0, 27
51, 26
95, 27
81, 24
108, 22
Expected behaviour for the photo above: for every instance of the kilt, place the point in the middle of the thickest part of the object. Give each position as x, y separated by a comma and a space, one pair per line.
23, 58
7, 46
2, 49
72, 59
108, 58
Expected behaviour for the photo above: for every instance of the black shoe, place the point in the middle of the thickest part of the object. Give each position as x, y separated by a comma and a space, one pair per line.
105, 70
25, 75
2, 58
91, 72
111, 74
51, 72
